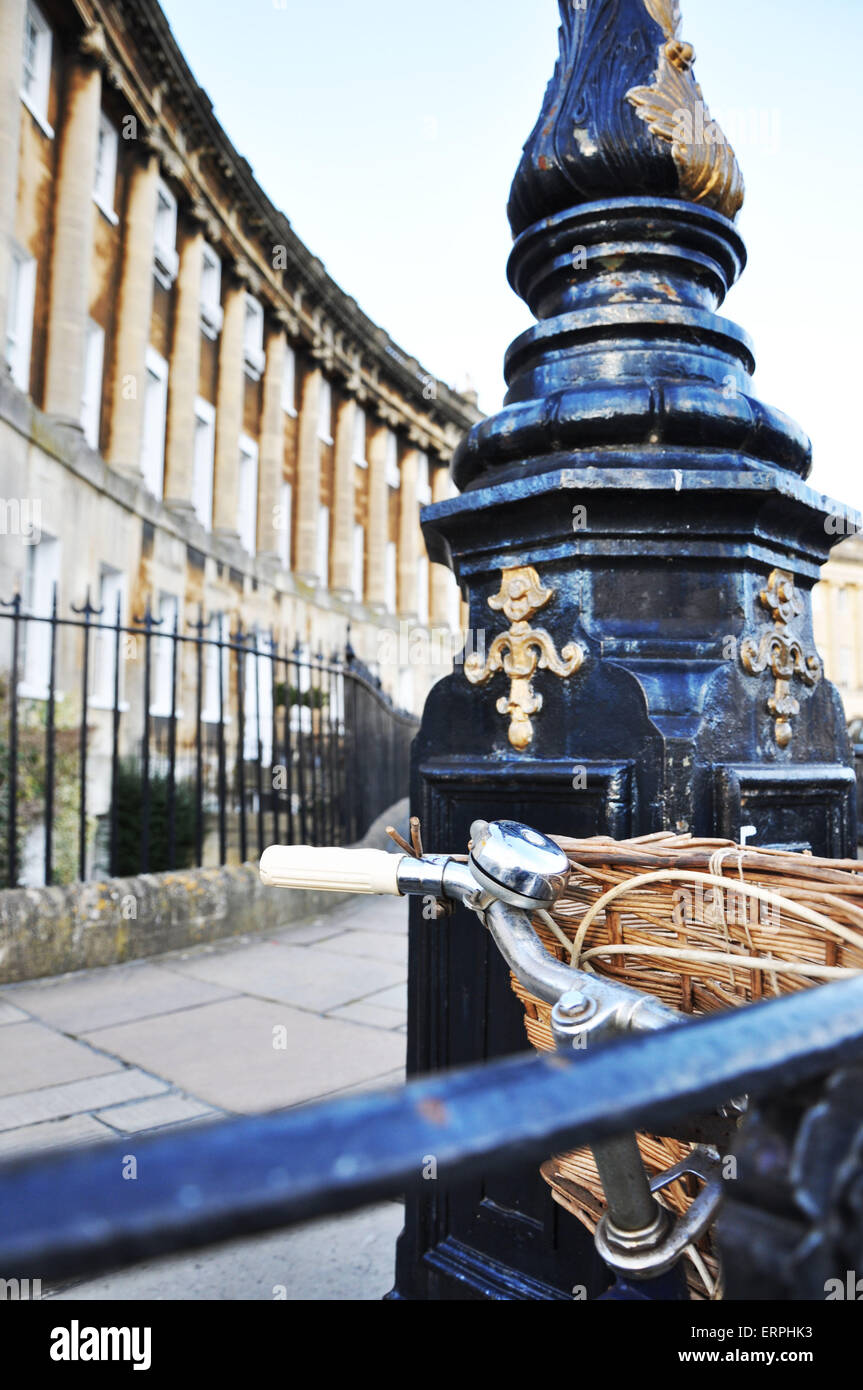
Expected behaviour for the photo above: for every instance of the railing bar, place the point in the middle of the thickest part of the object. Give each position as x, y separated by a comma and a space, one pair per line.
115, 751
50, 738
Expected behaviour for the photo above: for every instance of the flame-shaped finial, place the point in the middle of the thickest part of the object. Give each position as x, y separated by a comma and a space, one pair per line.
623, 115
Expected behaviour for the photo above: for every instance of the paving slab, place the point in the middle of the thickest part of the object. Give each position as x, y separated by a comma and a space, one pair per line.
153, 1114
224, 1053
32, 1055
9, 1014
393, 997
345, 1259
306, 978
119, 994
369, 1014
55, 1102
53, 1134
375, 945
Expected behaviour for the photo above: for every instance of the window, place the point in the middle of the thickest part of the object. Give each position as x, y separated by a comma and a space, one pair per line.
43, 574
325, 413
105, 180
247, 494
211, 294
210, 705
19, 320
359, 449
112, 591
322, 563
253, 339
424, 494
258, 700
394, 478
289, 381
359, 564
91, 402
166, 262
153, 439
36, 66
390, 593
423, 589
163, 656
286, 522
202, 478
406, 689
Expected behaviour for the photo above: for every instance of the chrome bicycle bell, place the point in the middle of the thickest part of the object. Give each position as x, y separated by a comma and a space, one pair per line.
518, 865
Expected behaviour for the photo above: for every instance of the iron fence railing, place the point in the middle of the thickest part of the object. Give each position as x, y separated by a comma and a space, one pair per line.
144, 745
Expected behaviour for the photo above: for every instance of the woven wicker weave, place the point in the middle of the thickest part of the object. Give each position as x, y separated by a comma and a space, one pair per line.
723, 927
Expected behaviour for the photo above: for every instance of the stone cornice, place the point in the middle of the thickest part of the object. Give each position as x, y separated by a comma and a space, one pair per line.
329, 323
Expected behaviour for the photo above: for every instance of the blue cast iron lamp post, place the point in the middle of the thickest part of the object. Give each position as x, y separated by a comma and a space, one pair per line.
638, 546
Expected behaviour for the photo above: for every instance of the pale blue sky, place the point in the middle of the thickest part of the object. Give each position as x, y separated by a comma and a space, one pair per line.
389, 132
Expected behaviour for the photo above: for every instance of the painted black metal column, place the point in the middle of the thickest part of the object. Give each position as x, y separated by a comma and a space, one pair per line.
638, 547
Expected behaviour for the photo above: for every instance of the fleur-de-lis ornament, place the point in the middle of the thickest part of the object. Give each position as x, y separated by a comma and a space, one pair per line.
521, 651
781, 651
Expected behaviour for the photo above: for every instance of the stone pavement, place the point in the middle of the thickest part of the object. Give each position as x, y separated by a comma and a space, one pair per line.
250, 1024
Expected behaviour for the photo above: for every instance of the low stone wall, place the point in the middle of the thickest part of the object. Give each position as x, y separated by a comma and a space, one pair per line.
49, 931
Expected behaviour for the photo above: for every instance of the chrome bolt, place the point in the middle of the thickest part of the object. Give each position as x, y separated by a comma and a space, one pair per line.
574, 1004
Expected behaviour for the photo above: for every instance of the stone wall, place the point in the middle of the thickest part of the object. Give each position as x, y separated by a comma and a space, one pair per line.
49, 931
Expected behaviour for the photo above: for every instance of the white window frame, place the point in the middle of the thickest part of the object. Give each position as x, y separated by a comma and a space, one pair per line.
286, 515
166, 261
212, 314
163, 656
112, 583
204, 461
36, 94
254, 357
19, 317
394, 477
423, 589
257, 681
391, 582
247, 494
424, 492
91, 401
210, 703
289, 382
359, 445
42, 575
153, 434
105, 177
322, 546
406, 692
325, 412
358, 563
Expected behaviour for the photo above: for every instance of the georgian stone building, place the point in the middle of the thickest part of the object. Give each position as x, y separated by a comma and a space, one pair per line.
194, 412
837, 607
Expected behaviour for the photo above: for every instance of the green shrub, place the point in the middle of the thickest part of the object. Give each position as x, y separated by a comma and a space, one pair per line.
130, 786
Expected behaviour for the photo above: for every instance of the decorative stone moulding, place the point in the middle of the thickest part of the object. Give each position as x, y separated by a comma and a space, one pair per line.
521, 651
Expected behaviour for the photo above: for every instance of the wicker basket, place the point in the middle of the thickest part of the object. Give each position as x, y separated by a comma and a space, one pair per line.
703, 925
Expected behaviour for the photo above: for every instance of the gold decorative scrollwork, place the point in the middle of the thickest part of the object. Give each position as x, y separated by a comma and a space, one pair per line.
674, 109
521, 651
782, 653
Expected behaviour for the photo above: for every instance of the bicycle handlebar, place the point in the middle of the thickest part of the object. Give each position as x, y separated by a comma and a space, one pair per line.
331, 870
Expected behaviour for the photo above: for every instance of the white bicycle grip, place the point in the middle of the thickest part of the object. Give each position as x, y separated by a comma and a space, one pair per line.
331, 870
